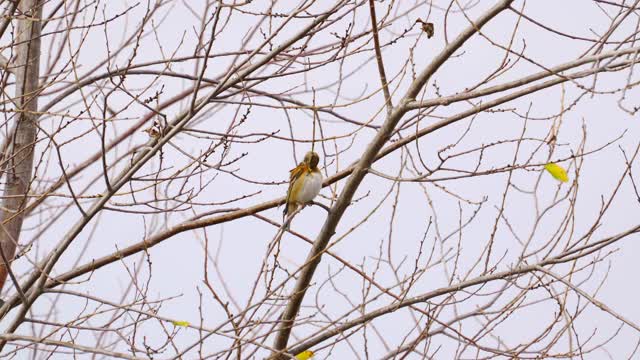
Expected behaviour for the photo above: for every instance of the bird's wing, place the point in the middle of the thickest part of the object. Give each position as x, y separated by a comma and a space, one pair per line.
294, 174
297, 171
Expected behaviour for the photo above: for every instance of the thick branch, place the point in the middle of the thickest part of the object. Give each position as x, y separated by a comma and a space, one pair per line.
20, 169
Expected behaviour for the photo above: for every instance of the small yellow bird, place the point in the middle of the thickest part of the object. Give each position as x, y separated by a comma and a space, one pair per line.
305, 181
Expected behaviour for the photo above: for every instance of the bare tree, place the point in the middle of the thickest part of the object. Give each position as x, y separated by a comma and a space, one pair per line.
479, 163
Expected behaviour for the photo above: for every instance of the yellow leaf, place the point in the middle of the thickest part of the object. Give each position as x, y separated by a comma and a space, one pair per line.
180, 323
557, 171
305, 355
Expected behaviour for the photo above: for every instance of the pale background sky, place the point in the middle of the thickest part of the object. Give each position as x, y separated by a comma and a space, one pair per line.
177, 264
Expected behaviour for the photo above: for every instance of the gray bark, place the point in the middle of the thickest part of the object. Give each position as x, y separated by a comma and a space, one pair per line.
19, 168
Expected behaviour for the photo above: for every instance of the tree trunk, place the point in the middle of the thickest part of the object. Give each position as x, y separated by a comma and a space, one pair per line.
19, 168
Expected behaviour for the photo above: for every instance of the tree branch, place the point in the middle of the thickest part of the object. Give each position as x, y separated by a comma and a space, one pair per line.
376, 45
359, 172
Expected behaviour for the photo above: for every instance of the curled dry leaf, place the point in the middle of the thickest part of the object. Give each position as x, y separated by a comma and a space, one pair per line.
427, 27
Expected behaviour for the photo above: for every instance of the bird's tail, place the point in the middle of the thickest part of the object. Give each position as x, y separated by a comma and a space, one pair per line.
289, 208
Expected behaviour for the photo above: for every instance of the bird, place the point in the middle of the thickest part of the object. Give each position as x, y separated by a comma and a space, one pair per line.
305, 181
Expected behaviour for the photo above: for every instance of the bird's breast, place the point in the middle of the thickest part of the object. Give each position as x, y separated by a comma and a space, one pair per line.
311, 187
